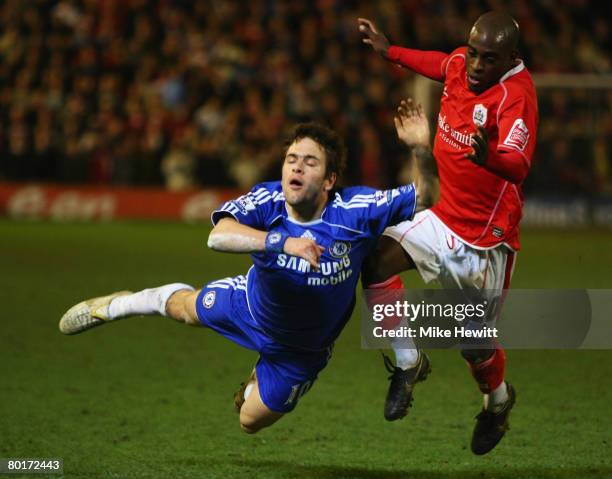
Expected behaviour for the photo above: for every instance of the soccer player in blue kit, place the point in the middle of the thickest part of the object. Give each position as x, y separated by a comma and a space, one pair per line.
308, 239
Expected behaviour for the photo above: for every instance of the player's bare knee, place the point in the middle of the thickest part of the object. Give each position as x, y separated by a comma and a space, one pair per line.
179, 307
173, 306
374, 270
190, 320
367, 272
387, 259
477, 355
189, 308
249, 424
249, 429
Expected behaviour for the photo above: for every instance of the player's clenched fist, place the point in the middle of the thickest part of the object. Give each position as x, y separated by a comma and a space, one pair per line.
305, 248
480, 146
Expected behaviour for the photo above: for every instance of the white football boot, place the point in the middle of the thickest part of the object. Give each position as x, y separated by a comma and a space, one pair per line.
88, 314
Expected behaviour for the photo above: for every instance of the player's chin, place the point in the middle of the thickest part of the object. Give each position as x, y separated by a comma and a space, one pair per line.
294, 198
478, 87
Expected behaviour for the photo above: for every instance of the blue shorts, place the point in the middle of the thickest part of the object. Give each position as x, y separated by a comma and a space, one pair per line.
284, 374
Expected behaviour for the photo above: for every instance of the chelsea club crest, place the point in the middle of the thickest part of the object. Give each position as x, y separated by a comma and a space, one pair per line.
209, 299
339, 249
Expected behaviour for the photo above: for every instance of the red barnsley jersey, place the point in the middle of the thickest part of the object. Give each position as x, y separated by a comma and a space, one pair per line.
480, 207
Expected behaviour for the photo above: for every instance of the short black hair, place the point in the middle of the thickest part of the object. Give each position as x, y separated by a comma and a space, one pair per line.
330, 141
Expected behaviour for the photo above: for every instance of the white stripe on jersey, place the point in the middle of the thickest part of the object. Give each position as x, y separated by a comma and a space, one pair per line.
233, 209
226, 282
371, 199
356, 201
239, 282
259, 192
226, 286
263, 199
364, 196
346, 206
264, 194
343, 227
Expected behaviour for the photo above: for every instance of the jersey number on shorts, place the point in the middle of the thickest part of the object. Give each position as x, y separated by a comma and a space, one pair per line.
297, 391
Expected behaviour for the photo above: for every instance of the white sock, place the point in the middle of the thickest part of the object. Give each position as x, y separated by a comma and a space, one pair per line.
248, 389
406, 358
147, 301
406, 353
496, 399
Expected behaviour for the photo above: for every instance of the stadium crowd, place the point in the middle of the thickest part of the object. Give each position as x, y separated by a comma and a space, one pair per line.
189, 94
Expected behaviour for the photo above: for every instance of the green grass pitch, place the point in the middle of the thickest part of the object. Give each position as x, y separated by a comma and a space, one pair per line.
149, 398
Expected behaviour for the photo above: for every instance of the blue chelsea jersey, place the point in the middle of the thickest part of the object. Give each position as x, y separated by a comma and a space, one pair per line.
291, 302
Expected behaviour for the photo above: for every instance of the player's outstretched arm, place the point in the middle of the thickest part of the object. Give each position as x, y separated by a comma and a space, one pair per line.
427, 63
412, 129
229, 236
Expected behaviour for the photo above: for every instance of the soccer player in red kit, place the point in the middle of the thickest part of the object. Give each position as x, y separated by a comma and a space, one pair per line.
483, 148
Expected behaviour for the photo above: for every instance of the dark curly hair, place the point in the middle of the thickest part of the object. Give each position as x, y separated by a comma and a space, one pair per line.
330, 141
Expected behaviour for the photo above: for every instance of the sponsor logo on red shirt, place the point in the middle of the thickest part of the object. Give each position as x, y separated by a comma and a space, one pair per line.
518, 136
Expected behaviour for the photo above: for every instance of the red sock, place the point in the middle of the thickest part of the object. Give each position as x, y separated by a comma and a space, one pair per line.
387, 292
489, 374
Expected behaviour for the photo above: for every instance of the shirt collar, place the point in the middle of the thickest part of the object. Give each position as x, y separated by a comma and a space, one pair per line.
513, 71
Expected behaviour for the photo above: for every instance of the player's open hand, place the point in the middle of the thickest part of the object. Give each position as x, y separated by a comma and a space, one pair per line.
411, 124
480, 146
305, 248
373, 37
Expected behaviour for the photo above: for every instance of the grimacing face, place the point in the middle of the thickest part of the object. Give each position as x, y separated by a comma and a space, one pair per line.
487, 60
303, 173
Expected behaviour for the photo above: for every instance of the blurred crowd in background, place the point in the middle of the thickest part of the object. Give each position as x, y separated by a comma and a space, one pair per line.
199, 93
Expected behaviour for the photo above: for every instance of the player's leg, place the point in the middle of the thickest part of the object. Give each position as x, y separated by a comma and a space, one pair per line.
404, 246
488, 369
488, 363
482, 275
386, 260
254, 414
244, 391
281, 377
383, 285
97, 311
222, 306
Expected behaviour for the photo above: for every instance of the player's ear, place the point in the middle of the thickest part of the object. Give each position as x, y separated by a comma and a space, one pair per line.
329, 182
